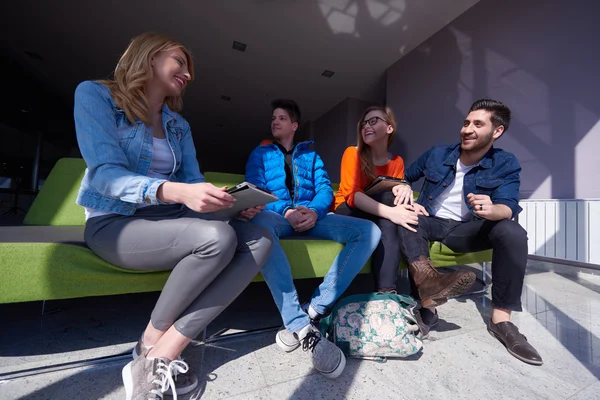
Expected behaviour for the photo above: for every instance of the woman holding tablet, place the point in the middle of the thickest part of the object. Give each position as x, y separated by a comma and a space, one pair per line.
389, 209
361, 165
148, 208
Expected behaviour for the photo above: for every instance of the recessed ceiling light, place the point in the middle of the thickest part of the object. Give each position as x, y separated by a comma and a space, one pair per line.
327, 73
226, 98
34, 55
239, 46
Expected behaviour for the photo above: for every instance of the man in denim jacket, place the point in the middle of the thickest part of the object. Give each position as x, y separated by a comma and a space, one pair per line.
296, 174
469, 198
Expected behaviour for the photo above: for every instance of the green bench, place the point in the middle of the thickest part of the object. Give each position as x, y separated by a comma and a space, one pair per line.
45, 258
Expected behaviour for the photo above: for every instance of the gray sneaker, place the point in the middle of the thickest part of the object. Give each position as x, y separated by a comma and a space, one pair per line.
327, 358
184, 382
140, 348
286, 340
150, 379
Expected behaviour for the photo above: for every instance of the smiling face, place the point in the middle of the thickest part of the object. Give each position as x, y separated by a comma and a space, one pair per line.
478, 133
170, 71
375, 128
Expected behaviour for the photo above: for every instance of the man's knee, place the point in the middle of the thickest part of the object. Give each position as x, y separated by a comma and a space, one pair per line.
508, 230
421, 232
257, 237
365, 229
267, 220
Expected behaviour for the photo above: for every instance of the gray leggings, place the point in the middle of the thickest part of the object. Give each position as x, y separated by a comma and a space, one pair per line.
212, 260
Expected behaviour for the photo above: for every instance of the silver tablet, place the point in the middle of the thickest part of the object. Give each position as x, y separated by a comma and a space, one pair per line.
247, 195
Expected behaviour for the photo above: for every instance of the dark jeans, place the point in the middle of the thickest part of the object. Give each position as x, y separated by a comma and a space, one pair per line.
506, 238
386, 257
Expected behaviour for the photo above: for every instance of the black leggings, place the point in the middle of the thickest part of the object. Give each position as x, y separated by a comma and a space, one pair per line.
387, 256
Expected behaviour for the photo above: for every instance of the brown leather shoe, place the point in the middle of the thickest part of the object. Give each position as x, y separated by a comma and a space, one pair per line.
515, 342
435, 287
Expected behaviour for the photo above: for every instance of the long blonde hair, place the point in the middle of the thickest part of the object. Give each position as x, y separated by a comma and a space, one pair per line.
364, 151
128, 87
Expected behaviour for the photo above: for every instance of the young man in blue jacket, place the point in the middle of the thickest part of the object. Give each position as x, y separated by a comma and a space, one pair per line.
296, 175
469, 198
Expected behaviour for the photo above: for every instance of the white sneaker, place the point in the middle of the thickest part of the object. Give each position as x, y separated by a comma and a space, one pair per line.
286, 340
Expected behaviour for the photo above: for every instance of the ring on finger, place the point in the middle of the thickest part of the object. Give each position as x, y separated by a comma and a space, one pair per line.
481, 207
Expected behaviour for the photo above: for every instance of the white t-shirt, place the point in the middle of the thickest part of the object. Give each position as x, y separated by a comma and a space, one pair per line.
160, 167
451, 203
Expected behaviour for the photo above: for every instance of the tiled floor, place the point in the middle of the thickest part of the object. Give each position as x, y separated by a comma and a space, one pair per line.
460, 361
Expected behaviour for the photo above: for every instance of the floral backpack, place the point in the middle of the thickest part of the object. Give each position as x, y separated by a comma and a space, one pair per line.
374, 326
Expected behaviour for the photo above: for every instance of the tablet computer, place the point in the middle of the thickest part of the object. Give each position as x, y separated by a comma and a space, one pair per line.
383, 184
247, 195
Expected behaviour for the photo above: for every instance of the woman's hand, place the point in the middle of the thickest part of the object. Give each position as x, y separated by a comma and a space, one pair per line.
403, 215
206, 197
200, 197
403, 194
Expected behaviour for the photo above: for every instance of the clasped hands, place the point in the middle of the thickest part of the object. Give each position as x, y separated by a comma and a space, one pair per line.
301, 218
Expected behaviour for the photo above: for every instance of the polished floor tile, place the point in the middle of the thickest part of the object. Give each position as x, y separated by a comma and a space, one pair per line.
561, 318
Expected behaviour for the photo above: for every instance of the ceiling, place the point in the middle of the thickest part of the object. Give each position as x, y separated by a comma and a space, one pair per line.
289, 44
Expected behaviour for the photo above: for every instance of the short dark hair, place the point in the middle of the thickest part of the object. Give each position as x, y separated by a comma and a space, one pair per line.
288, 105
500, 112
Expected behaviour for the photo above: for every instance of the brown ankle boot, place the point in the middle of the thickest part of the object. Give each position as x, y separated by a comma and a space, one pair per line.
435, 287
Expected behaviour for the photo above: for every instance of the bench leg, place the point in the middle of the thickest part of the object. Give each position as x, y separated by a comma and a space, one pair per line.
220, 337
46, 312
217, 337
68, 365
483, 280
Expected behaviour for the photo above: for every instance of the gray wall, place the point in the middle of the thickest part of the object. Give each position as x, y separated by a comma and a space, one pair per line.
213, 157
334, 131
541, 60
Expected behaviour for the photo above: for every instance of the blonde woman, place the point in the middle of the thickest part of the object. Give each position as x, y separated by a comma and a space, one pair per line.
391, 211
148, 208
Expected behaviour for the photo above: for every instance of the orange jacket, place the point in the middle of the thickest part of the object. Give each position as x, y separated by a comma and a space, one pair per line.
353, 180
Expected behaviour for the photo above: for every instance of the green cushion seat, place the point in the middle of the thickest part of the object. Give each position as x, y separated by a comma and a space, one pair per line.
47, 259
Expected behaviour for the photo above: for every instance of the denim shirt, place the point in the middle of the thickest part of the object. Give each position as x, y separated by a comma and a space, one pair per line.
496, 175
118, 154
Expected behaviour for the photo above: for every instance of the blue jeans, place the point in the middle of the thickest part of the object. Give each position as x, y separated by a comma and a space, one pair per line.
360, 238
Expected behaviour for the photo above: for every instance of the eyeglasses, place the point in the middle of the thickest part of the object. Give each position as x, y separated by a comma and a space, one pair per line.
372, 121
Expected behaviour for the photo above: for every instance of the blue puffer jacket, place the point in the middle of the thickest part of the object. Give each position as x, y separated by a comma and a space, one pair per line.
312, 187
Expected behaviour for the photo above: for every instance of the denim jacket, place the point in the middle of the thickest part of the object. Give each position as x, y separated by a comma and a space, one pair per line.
118, 154
496, 175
